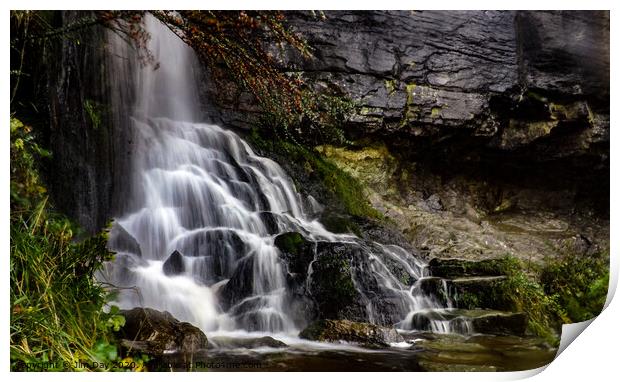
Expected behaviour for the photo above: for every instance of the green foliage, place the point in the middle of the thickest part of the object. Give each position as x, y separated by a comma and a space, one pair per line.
26, 187
579, 282
527, 295
320, 119
342, 185
249, 48
93, 110
56, 304
518, 292
569, 289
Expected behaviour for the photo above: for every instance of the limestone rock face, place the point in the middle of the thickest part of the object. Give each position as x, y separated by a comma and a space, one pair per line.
503, 77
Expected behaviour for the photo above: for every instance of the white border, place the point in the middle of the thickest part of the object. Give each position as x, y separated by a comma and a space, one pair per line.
592, 356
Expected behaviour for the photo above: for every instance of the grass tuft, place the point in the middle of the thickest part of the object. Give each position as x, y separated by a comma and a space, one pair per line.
57, 317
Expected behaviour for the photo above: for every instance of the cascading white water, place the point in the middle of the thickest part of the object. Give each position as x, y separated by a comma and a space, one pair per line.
202, 206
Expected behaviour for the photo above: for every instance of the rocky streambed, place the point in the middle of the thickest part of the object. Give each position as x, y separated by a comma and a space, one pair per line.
326, 345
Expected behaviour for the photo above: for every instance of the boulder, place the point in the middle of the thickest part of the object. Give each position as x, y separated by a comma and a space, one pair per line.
332, 285
174, 264
154, 332
123, 241
241, 283
361, 333
296, 251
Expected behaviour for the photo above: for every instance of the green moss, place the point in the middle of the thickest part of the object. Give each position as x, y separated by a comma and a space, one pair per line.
410, 89
290, 242
365, 111
517, 292
340, 224
435, 112
390, 86
342, 185
467, 300
572, 288
566, 111
410, 111
453, 268
579, 283
332, 284
94, 111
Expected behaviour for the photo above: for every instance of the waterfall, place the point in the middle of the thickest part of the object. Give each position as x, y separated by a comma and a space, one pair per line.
203, 208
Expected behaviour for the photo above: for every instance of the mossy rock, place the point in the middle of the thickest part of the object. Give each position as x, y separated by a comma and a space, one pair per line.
479, 320
332, 285
482, 292
338, 189
338, 223
454, 268
361, 333
296, 250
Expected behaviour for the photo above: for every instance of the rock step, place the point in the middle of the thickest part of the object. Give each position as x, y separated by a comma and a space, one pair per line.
473, 292
464, 321
457, 268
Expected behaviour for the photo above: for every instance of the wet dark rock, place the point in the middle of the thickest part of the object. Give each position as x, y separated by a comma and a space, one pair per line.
220, 248
296, 251
483, 292
154, 332
303, 309
123, 241
245, 343
436, 287
473, 321
241, 283
261, 321
451, 268
501, 324
216, 243
332, 285
344, 283
361, 333
174, 264
271, 222
339, 223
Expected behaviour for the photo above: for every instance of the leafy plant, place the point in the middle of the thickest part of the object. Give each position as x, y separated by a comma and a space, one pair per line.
580, 283
57, 321
248, 47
